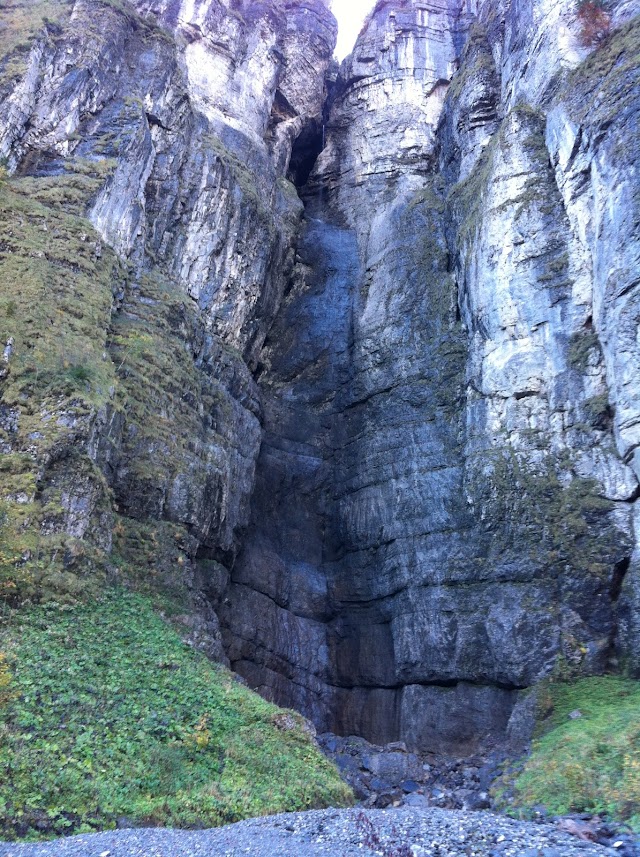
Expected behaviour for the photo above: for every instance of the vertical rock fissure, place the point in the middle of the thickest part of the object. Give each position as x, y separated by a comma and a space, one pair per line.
333, 604
436, 522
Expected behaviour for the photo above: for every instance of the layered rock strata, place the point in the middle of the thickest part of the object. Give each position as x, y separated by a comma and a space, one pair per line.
392, 445
166, 130
445, 491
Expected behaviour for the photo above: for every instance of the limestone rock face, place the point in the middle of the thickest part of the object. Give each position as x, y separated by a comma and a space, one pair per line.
444, 500
343, 361
180, 120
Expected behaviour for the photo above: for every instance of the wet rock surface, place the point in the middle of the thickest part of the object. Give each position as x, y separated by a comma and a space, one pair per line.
445, 495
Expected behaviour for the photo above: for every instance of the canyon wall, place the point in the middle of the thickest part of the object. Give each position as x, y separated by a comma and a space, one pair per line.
445, 492
154, 140
344, 361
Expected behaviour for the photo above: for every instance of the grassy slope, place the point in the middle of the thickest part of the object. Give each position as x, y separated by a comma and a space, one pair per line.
112, 715
20, 22
591, 763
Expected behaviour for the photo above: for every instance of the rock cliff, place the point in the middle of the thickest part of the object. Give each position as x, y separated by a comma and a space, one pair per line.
445, 490
169, 128
346, 360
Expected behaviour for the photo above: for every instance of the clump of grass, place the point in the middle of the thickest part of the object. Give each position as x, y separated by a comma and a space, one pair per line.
21, 21
583, 346
590, 763
112, 715
602, 87
5, 681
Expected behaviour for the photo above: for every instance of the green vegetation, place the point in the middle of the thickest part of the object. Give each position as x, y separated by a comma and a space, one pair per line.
153, 557
56, 281
467, 199
104, 712
430, 195
605, 84
598, 412
160, 391
70, 192
590, 763
5, 681
21, 21
477, 61
564, 528
112, 715
582, 346
24, 20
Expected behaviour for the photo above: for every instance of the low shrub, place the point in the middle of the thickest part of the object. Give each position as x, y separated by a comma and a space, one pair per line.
595, 22
5, 681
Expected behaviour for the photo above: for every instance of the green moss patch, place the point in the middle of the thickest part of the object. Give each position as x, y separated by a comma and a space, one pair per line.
56, 281
161, 392
55, 301
603, 85
21, 21
589, 763
565, 529
477, 61
111, 715
583, 347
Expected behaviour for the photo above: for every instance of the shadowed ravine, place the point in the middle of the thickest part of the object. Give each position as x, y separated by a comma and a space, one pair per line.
435, 522
336, 365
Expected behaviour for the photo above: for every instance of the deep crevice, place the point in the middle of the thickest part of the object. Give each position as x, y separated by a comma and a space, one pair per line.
620, 570
305, 153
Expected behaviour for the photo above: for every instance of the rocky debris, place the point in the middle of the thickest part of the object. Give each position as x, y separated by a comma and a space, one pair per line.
391, 833
6, 358
588, 828
389, 777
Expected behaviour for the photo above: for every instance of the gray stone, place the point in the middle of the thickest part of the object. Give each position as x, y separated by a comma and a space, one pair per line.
416, 801
386, 446
441, 415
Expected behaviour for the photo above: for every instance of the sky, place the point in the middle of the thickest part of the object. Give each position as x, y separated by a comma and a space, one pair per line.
350, 15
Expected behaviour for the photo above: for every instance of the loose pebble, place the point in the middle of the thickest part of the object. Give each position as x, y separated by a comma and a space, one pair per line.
408, 832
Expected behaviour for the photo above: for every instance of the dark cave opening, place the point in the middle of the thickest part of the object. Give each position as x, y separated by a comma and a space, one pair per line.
620, 570
305, 152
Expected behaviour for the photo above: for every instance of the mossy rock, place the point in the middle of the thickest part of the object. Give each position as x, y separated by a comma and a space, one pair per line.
604, 85
56, 282
561, 517
586, 757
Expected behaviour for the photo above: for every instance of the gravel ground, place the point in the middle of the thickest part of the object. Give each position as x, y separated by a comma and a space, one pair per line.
336, 833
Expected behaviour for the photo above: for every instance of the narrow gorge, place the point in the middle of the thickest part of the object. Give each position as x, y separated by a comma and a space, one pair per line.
445, 489
342, 360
